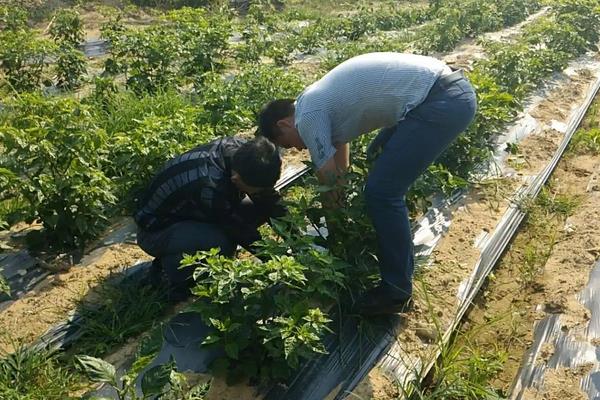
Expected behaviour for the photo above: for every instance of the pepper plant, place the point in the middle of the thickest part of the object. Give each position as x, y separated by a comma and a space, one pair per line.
23, 55
67, 32
266, 315
161, 381
57, 153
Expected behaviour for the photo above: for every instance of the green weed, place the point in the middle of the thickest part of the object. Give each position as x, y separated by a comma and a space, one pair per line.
462, 371
115, 313
586, 141
545, 217
32, 374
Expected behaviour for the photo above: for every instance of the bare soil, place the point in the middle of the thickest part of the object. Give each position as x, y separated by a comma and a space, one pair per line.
50, 302
560, 384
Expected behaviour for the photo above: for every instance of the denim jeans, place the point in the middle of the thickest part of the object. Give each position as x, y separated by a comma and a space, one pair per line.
169, 244
408, 149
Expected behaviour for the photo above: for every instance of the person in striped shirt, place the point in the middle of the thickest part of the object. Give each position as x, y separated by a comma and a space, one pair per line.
420, 106
215, 195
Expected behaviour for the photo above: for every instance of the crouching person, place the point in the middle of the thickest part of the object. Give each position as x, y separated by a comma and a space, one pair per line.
215, 195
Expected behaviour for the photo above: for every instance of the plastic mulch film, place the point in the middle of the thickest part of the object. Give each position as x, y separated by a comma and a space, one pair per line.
21, 272
571, 351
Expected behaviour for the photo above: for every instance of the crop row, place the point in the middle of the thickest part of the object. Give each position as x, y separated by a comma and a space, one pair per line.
270, 316
57, 148
74, 163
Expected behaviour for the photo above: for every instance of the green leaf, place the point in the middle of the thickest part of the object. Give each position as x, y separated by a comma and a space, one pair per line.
98, 370
232, 350
156, 378
210, 339
4, 286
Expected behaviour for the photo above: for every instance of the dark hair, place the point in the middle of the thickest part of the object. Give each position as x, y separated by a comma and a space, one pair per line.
271, 113
258, 163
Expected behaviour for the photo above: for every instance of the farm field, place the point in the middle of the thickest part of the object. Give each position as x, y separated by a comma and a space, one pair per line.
96, 96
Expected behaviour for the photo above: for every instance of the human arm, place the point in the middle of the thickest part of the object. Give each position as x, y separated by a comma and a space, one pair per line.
331, 161
332, 173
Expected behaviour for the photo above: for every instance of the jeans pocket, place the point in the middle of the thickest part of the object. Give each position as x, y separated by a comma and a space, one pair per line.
451, 112
459, 89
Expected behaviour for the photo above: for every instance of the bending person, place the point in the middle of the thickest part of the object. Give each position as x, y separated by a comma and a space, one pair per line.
423, 105
215, 195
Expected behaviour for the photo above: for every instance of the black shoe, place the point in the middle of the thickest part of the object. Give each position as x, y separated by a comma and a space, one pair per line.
382, 300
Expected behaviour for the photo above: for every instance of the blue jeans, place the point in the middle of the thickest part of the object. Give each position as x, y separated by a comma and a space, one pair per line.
410, 147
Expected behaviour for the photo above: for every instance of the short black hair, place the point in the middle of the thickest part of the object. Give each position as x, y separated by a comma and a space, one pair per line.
271, 113
258, 163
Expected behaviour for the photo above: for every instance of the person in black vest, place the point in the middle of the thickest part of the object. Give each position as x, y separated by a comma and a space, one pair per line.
215, 195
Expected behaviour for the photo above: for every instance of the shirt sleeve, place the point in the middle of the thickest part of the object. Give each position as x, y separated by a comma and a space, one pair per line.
315, 130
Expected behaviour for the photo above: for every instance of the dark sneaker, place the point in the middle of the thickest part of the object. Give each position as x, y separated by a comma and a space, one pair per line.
382, 300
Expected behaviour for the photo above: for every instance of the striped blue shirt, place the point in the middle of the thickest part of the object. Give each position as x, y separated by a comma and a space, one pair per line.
360, 95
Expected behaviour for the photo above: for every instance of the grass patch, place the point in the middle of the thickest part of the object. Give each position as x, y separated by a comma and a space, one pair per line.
546, 215
586, 141
117, 312
462, 370
36, 374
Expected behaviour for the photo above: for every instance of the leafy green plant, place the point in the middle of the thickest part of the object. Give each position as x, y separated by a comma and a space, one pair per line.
185, 43
161, 381
265, 314
30, 374
586, 140
67, 32
58, 154
23, 58
70, 67
230, 104
67, 28
205, 39
147, 57
117, 312
13, 18
4, 286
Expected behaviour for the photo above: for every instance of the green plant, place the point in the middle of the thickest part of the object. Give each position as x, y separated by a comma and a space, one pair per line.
147, 57
461, 370
265, 315
13, 18
230, 104
23, 59
205, 39
115, 313
58, 153
70, 67
586, 141
4, 286
67, 28
186, 43
31, 374
161, 381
